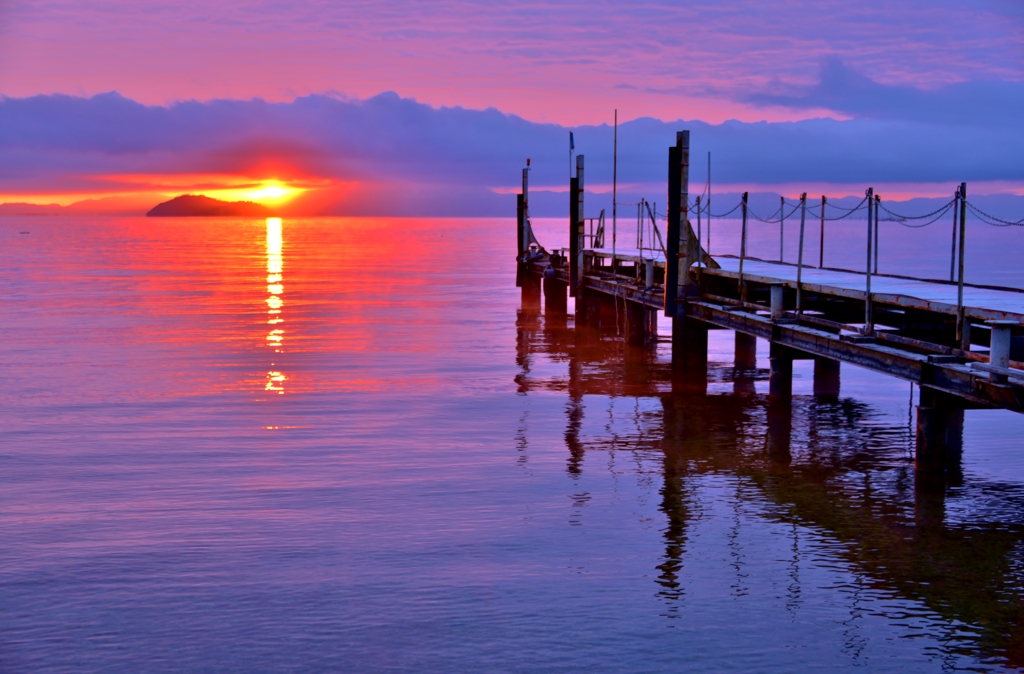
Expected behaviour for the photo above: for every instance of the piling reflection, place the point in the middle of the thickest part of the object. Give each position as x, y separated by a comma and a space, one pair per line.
826, 463
275, 301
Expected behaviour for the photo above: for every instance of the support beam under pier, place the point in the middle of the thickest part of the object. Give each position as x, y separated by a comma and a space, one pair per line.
780, 383
826, 378
690, 348
940, 437
746, 352
556, 301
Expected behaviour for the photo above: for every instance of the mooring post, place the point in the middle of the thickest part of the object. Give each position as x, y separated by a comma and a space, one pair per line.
868, 321
999, 348
963, 334
821, 240
778, 295
743, 248
780, 381
800, 254
826, 378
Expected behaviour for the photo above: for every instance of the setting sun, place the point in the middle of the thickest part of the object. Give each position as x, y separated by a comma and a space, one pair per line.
268, 191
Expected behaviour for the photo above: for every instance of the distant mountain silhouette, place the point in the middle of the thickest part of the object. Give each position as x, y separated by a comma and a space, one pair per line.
196, 205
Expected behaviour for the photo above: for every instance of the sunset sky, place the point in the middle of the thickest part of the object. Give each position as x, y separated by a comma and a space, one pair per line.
338, 107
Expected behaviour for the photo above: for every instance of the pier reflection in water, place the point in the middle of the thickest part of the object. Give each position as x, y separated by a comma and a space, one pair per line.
832, 474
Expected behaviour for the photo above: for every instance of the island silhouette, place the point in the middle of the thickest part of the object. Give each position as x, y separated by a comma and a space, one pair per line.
197, 205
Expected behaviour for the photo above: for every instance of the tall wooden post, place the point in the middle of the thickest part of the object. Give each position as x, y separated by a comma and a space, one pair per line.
674, 215
963, 335
577, 229
520, 237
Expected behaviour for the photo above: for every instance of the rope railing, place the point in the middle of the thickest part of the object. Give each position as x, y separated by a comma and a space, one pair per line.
991, 219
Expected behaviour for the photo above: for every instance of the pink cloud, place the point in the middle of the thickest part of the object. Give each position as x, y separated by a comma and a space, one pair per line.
566, 62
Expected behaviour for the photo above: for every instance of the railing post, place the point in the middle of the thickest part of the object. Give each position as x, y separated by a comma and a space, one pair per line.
952, 245
821, 240
868, 322
782, 226
800, 254
963, 335
878, 202
743, 248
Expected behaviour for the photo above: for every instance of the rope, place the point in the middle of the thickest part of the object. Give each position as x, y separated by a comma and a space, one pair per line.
769, 218
898, 217
993, 220
938, 215
849, 211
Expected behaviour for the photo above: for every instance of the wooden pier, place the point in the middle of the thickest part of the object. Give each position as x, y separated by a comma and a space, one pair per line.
962, 344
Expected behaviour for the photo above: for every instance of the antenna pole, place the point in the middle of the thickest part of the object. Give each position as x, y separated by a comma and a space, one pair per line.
615, 180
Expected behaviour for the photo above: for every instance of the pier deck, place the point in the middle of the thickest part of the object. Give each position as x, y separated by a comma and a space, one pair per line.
962, 344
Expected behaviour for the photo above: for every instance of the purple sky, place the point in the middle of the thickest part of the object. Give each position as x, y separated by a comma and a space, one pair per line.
917, 94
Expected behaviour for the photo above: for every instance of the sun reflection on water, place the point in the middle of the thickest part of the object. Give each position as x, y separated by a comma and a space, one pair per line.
275, 286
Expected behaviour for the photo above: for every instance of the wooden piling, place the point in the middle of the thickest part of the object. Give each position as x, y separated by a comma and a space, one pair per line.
678, 176
520, 237
577, 228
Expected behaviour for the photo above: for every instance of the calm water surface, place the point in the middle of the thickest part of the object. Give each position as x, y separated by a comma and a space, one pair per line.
340, 445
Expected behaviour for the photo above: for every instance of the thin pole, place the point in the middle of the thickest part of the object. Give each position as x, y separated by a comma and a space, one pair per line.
868, 328
615, 181
743, 248
952, 246
962, 335
782, 224
800, 255
709, 203
700, 237
878, 201
821, 240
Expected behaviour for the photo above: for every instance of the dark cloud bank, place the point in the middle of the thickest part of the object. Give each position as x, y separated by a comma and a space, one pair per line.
412, 159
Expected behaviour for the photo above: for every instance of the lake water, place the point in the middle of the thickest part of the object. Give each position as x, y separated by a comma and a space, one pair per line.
340, 445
